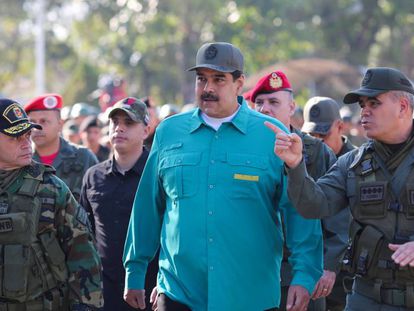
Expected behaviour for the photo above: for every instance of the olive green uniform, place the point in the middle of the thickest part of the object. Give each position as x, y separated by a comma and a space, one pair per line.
71, 164
319, 158
48, 258
382, 207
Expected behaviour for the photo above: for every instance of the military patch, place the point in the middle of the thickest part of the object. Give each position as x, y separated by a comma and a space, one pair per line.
14, 113
246, 177
315, 111
6, 225
4, 207
367, 78
366, 167
372, 193
211, 52
50, 102
275, 81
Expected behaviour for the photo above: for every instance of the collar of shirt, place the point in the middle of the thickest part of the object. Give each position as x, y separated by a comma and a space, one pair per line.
240, 120
138, 167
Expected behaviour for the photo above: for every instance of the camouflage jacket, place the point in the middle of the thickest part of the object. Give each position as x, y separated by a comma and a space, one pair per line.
71, 164
62, 215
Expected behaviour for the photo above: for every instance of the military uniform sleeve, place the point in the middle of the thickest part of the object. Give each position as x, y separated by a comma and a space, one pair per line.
143, 236
304, 241
323, 198
84, 202
335, 227
83, 262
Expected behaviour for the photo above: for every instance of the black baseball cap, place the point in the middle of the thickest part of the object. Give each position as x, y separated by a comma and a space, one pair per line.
13, 119
319, 114
220, 56
380, 80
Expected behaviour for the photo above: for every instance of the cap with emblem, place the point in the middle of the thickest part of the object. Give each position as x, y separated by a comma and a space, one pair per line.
133, 107
380, 80
14, 121
273, 82
220, 56
45, 102
319, 113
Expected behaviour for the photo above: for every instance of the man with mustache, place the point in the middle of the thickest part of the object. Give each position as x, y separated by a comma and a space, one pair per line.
108, 194
48, 259
211, 198
70, 161
376, 182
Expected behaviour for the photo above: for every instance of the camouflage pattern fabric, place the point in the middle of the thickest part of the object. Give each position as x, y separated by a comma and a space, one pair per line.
71, 164
62, 215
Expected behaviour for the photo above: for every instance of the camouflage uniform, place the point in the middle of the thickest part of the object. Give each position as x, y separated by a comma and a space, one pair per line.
71, 164
49, 261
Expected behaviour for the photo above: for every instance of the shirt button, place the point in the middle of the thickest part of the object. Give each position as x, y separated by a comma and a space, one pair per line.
210, 213
248, 162
212, 161
210, 240
179, 161
211, 268
216, 136
211, 186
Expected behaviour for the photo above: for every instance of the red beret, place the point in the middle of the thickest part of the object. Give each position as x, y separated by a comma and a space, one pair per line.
45, 102
273, 82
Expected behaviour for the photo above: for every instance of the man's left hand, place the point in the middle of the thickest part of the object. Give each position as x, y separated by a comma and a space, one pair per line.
325, 284
297, 299
403, 253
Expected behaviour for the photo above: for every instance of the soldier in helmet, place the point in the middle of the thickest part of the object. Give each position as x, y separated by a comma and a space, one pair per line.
376, 181
49, 261
69, 160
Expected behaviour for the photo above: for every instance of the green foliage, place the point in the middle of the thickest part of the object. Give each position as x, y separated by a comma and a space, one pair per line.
151, 43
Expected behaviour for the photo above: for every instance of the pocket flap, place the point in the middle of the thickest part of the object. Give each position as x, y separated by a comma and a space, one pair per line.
180, 159
247, 160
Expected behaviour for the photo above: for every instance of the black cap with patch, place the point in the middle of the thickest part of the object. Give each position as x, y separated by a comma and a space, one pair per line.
13, 120
380, 80
220, 56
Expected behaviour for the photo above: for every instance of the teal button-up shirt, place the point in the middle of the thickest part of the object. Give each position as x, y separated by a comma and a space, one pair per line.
213, 201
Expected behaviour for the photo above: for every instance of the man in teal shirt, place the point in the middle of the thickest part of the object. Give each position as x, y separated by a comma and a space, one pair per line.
211, 197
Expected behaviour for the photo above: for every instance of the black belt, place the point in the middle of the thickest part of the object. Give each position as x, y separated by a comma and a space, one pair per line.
398, 297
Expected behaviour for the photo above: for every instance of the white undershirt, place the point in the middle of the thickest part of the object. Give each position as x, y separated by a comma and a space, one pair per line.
215, 123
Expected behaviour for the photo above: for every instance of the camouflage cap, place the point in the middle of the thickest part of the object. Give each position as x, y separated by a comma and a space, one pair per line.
133, 107
319, 113
13, 119
220, 56
380, 80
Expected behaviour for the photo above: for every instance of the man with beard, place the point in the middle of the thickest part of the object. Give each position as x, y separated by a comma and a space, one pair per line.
211, 198
49, 261
376, 182
69, 160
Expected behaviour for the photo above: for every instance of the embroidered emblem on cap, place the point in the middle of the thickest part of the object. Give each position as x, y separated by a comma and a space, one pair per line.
18, 112
50, 102
315, 111
367, 78
275, 81
14, 113
211, 52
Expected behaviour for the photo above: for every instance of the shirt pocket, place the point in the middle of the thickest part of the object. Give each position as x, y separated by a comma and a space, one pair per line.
180, 174
247, 175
